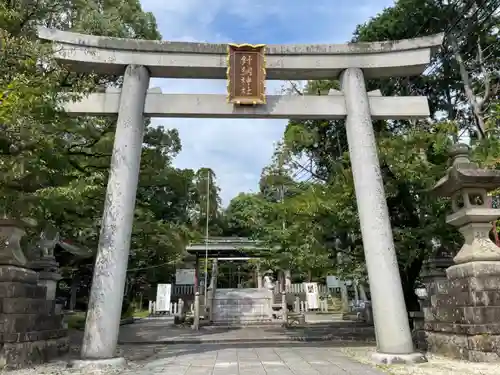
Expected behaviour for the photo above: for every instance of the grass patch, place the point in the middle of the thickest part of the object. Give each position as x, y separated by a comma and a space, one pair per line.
141, 314
76, 320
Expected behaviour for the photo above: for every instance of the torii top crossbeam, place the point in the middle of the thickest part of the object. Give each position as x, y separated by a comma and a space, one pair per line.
106, 55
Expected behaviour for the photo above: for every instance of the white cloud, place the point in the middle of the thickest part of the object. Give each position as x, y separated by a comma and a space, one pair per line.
237, 150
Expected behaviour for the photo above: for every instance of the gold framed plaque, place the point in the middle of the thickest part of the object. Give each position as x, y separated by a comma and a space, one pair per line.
246, 74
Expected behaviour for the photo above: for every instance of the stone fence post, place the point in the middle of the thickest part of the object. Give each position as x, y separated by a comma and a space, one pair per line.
284, 307
196, 321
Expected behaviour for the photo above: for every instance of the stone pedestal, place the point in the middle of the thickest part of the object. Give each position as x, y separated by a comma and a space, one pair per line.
48, 275
31, 330
418, 333
434, 270
463, 319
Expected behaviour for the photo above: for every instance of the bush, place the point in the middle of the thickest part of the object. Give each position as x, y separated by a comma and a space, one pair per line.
125, 306
76, 321
128, 312
179, 319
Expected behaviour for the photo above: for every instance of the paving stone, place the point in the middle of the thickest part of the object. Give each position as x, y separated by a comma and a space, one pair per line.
220, 360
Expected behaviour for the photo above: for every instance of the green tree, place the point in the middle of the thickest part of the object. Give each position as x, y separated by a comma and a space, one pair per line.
322, 217
206, 196
53, 167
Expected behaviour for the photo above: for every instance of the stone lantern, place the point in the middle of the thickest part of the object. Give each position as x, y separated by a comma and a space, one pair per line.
463, 311
11, 233
467, 185
32, 330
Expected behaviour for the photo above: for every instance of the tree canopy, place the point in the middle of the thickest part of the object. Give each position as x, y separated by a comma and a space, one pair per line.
317, 220
54, 168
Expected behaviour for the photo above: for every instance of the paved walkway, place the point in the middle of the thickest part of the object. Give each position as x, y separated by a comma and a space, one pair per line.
163, 331
212, 359
277, 354
154, 347
223, 359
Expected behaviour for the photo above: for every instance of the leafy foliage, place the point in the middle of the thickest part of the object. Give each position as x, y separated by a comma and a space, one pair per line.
317, 227
54, 168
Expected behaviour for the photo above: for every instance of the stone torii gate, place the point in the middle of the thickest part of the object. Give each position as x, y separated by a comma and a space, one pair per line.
138, 60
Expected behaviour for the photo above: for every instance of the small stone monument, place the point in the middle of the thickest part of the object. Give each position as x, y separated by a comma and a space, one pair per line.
269, 285
268, 281
31, 330
462, 319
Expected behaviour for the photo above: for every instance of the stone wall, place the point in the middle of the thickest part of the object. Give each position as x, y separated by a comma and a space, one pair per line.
31, 327
419, 335
238, 306
462, 318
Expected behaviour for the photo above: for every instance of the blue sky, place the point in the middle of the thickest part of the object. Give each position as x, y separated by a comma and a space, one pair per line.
237, 150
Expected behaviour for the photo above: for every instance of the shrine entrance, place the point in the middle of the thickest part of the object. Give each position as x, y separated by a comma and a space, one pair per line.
246, 67
224, 303
235, 273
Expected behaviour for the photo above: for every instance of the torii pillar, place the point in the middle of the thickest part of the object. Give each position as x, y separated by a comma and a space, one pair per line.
392, 329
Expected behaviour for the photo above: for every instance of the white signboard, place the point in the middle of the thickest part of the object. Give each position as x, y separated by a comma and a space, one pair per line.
184, 276
312, 295
332, 282
163, 293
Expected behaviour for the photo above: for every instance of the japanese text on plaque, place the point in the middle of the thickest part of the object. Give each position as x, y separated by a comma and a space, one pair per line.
246, 74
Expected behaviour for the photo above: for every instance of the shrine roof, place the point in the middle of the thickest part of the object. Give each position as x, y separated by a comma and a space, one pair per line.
226, 247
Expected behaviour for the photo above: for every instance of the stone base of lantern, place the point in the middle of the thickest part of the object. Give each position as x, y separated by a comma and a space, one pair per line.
48, 275
31, 329
462, 318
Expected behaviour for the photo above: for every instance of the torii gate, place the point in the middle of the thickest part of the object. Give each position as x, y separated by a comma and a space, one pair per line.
138, 60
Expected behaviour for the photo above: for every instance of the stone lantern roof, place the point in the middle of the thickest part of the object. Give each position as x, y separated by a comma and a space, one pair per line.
467, 185
464, 174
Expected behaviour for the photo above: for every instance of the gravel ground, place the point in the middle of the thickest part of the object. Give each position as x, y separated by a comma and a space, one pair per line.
436, 366
137, 356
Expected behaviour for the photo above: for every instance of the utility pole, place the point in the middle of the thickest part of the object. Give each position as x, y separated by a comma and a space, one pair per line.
283, 224
282, 200
206, 236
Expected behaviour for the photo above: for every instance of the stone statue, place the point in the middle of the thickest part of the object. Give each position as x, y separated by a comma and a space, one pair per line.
42, 251
48, 241
268, 282
213, 278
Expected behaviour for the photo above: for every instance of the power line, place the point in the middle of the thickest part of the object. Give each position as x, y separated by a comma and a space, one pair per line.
461, 7
459, 18
150, 267
465, 30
